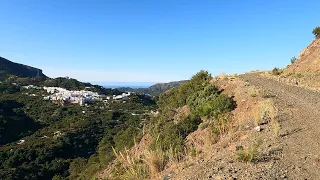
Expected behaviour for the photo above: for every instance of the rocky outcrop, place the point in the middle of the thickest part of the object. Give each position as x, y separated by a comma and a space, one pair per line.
305, 72
308, 61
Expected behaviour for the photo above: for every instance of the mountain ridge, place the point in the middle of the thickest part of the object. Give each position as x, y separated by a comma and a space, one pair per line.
9, 68
155, 89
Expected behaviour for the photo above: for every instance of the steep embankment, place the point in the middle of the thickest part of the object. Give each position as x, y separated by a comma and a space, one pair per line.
308, 61
9, 68
306, 70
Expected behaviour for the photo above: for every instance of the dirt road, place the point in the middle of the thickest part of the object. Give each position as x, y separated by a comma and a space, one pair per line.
299, 116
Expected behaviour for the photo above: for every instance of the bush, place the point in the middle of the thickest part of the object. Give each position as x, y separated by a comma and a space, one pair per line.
169, 135
250, 154
203, 125
209, 102
316, 32
293, 60
245, 156
177, 97
276, 71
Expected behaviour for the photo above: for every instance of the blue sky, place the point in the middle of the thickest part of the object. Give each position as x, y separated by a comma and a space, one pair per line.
154, 41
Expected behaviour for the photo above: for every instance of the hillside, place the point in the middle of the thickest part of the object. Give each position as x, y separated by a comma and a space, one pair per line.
305, 71
9, 68
155, 89
55, 139
309, 59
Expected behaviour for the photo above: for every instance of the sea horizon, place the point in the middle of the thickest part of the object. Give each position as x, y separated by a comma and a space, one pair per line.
134, 85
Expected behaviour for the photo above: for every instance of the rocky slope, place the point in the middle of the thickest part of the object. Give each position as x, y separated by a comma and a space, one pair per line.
308, 61
305, 72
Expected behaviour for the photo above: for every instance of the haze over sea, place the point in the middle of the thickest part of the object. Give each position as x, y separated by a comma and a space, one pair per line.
126, 84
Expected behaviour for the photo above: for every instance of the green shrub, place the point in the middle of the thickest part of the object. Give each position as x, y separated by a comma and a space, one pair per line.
293, 60
276, 71
245, 156
209, 102
193, 152
250, 154
177, 97
203, 125
203, 99
316, 32
165, 136
169, 135
299, 75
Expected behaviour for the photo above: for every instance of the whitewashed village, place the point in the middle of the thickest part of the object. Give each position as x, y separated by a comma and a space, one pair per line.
81, 97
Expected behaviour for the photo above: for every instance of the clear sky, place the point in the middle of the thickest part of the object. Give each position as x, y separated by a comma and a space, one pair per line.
154, 41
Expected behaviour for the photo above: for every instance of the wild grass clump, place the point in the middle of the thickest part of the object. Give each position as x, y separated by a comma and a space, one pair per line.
148, 165
245, 156
266, 111
156, 161
220, 125
252, 91
276, 128
129, 167
193, 152
248, 155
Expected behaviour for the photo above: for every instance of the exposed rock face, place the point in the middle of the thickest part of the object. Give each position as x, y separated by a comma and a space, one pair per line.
305, 71
309, 59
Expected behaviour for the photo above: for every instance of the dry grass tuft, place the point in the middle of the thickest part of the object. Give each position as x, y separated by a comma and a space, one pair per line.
276, 128
265, 112
248, 155
253, 91
156, 160
131, 167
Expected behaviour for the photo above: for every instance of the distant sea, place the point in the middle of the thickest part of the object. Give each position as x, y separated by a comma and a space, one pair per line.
125, 84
